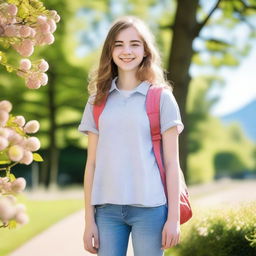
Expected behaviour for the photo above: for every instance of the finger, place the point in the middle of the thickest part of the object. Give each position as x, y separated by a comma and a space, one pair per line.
96, 241
175, 241
169, 242
90, 246
163, 239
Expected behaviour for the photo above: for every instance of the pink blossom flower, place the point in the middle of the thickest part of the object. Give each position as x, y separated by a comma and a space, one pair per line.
27, 158
5, 105
14, 138
44, 28
39, 38
22, 218
11, 20
44, 79
7, 209
7, 187
3, 143
20, 120
32, 144
32, 32
25, 48
4, 116
52, 13
57, 18
32, 126
25, 64
12, 198
43, 66
4, 132
42, 39
15, 153
11, 30
20, 207
33, 83
18, 185
52, 24
41, 19
25, 31
12, 9
49, 38
3, 180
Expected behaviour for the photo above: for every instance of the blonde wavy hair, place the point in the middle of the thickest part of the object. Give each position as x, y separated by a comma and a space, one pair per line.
150, 68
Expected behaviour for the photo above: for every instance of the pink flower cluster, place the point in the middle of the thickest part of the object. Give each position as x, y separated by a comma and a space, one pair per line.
14, 141
29, 33
33, 73
9, 208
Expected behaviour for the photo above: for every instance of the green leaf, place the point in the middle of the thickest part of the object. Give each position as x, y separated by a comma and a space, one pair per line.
16, 2
24, 9
12, 177
9, 68
37, 157
3, 58
4, 159
4, 162
12, 224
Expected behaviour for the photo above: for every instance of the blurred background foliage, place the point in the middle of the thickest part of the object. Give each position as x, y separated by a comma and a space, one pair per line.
210, 148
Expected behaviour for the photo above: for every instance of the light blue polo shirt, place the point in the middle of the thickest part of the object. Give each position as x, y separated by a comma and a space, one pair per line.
126, 170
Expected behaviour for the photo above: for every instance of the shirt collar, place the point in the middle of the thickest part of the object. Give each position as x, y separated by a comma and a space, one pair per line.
141, 88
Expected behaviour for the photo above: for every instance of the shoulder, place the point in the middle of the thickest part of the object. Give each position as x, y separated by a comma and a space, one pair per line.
167, 96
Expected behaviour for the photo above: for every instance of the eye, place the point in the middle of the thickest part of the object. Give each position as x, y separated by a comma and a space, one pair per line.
135, 45
117, 45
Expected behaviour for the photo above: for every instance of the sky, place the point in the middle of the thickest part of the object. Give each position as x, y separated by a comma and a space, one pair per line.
240, 88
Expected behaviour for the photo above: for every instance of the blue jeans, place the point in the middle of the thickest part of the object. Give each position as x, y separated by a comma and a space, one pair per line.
115, 222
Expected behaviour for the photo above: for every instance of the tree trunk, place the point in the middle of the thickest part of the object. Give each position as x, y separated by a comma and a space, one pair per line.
180, 59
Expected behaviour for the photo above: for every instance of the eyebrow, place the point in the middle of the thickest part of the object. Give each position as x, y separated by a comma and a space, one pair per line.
132, 41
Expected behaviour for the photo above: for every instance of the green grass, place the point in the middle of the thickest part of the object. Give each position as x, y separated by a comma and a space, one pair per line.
42, 214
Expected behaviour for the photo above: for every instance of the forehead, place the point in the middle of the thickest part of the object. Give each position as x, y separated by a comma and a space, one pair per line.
128, 34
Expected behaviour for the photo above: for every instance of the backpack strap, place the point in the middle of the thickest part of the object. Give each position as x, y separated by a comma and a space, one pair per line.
97, 110
153, 112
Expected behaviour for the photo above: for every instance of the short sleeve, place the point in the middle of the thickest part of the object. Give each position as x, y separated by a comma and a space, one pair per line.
169, 112
87, 123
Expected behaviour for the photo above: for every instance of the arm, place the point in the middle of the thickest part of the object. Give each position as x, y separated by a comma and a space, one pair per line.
172, 168
89, 174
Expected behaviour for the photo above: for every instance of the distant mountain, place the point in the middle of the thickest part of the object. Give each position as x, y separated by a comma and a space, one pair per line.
246, 116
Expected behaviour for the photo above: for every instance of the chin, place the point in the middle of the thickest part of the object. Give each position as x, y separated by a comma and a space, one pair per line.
127, 67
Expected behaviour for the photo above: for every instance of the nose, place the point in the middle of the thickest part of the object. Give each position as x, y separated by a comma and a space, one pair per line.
127, 49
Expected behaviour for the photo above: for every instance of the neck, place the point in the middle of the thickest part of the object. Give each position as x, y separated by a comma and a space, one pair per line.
127, 81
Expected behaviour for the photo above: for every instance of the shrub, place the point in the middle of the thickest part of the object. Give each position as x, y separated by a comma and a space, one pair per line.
220, 232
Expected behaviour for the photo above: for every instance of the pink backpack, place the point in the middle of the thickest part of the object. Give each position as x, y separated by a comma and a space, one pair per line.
153, 112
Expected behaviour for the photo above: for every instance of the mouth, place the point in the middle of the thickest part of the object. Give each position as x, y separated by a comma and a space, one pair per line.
127, 60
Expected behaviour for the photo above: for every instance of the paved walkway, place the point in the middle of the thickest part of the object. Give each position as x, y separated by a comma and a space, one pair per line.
65, 237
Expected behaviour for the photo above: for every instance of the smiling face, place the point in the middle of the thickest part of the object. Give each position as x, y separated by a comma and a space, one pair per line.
128, 50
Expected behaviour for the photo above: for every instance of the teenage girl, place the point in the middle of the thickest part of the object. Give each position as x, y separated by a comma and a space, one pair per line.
122, 184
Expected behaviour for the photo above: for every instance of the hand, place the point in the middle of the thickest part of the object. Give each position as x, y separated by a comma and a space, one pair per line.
170, 234
90, 234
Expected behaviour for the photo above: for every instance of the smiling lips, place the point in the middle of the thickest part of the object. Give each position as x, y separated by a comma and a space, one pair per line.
127, 60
